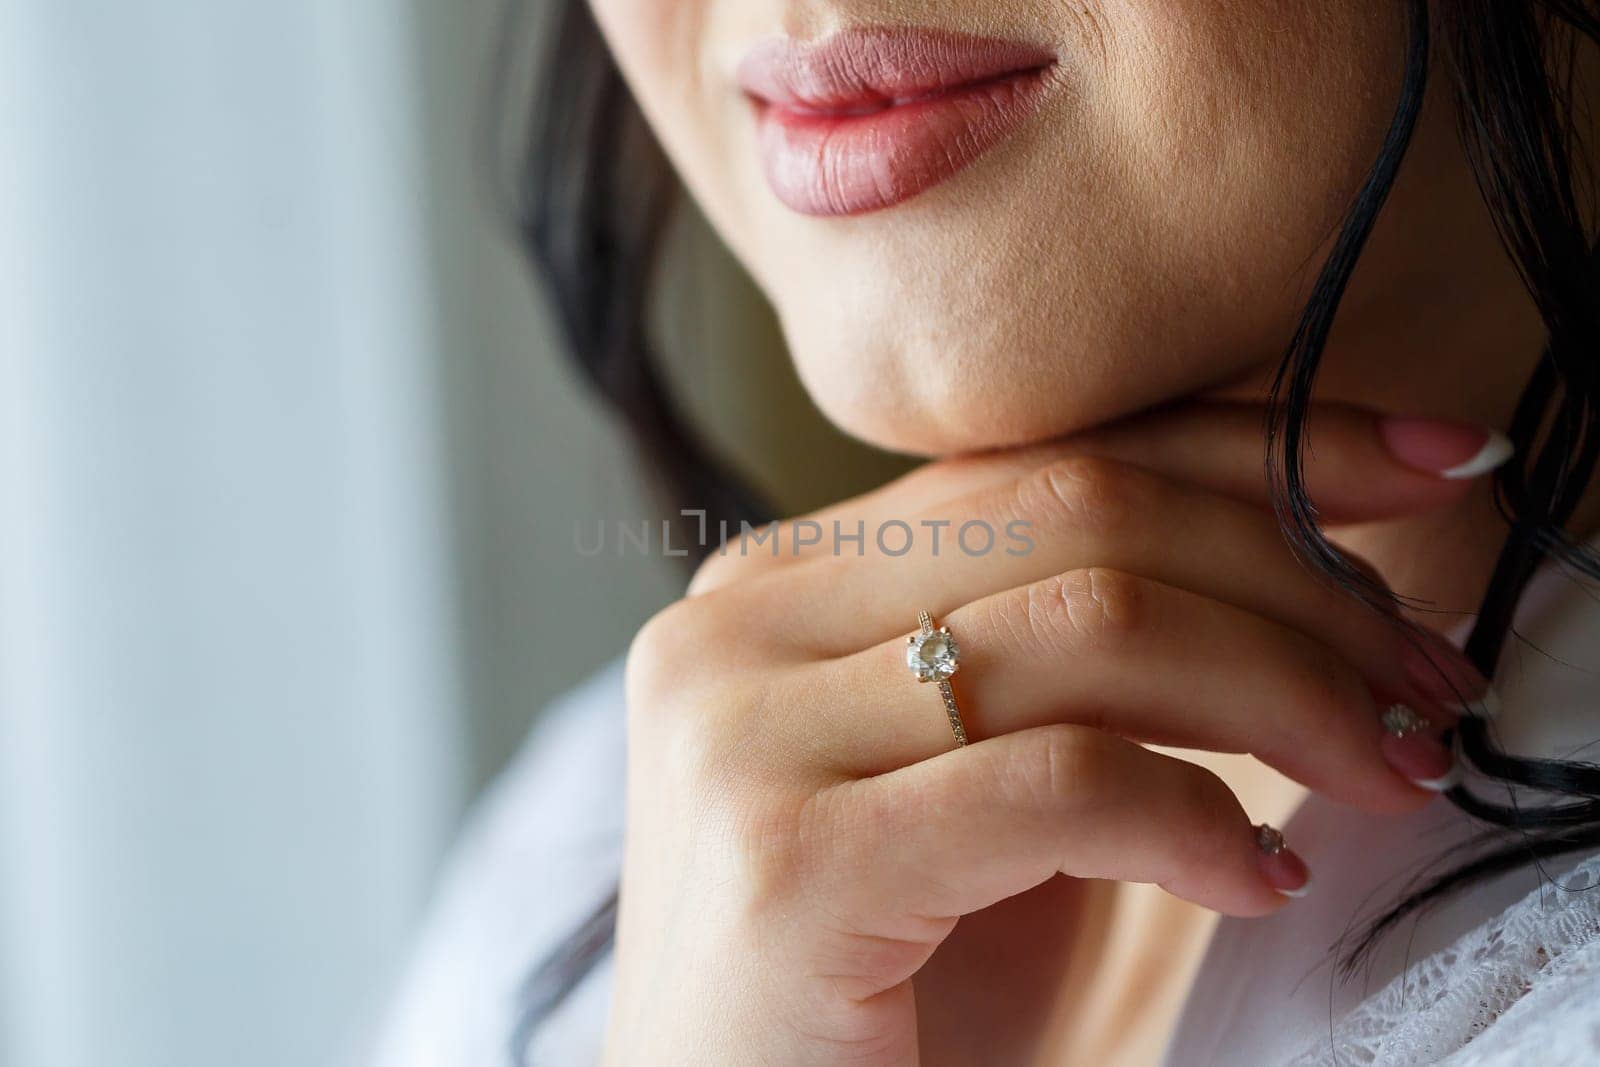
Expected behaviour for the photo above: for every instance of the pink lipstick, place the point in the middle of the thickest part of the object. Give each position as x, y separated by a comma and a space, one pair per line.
868, 119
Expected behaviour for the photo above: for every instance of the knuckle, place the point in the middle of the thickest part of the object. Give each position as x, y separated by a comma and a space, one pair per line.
1094, 610
667, 664
701, 721
715, 571
657, 643
1088, 493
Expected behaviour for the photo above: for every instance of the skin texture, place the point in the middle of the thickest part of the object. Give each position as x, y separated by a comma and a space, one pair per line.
1190, 160
803, 838
802, 841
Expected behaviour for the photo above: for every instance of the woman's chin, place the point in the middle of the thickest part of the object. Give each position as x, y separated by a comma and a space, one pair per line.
956, 426
931, 386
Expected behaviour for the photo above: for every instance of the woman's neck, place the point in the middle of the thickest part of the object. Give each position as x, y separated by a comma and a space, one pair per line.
1459, 343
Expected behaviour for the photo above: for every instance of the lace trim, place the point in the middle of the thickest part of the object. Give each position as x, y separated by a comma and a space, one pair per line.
1524, 987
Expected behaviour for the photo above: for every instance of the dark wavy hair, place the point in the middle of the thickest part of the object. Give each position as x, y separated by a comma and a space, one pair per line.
591, 193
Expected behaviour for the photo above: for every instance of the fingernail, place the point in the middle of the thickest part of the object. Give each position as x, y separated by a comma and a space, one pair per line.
1453, 450
1441, 672
1411, 748
1283, 870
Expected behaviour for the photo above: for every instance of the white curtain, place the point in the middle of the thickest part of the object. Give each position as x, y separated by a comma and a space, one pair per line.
288, 473
230, 714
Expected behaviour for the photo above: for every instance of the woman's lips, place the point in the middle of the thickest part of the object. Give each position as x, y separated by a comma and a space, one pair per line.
867, 119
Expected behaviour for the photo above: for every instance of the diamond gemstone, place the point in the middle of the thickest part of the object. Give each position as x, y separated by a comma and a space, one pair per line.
1268, 840
933, 655
1402, 721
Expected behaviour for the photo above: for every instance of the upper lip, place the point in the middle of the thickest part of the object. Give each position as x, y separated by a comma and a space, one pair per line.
860, 71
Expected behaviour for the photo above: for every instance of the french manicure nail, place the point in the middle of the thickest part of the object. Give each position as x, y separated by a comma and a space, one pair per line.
1453, 450
1284, 871
1443, 784
1411, 748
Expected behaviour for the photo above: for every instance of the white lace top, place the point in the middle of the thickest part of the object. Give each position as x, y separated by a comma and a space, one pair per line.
1508, 973
1522, 988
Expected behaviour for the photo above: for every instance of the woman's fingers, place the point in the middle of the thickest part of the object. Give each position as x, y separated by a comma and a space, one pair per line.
1149, 662
1359, 466
1086, 512
955, 834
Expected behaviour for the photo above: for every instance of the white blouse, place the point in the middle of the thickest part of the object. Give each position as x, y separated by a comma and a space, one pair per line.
1506, 973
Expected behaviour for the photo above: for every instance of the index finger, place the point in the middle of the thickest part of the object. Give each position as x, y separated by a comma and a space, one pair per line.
1359, 466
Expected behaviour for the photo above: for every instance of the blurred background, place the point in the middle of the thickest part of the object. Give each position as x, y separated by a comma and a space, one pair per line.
289, 467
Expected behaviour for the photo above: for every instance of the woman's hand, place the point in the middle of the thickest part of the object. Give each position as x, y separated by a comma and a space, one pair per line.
803, 832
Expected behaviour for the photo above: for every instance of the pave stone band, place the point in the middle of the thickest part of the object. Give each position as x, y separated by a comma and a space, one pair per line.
933, 656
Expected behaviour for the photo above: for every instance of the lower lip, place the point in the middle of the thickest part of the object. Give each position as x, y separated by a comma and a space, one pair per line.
825, 164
